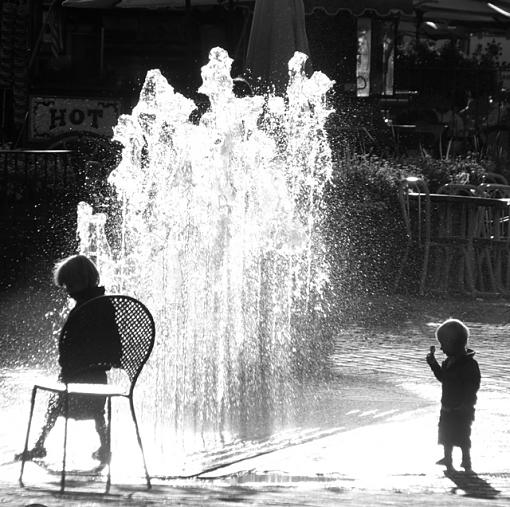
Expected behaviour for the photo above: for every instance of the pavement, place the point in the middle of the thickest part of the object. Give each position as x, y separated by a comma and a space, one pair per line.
381, 452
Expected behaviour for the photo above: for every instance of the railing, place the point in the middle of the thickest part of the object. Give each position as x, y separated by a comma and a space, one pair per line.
35, 177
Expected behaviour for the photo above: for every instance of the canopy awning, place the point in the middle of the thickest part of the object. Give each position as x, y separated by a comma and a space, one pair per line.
138, 4
464, 11
360, 7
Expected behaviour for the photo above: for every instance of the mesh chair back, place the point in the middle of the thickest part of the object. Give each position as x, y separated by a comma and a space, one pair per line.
137, 333
106, 320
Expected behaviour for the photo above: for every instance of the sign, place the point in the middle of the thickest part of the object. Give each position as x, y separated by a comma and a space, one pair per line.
55, 116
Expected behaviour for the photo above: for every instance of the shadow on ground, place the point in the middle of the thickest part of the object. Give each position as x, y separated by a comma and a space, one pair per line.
472, 485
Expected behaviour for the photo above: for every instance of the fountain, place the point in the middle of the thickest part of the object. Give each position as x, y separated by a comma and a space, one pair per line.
218, 233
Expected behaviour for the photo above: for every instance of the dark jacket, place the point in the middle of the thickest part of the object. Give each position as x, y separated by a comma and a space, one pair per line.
460, 379
89, 343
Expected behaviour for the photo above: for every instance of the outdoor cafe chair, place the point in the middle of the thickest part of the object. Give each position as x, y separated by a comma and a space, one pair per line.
417, 224
137, 334
494, 233
494, 190
491, 177
459, 189
444, 232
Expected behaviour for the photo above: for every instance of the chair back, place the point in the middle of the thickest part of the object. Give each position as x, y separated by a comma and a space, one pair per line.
459, 189
114, 330
494, 178
494, 190
414, 200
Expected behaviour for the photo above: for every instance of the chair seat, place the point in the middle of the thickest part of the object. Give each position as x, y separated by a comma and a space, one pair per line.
82, 388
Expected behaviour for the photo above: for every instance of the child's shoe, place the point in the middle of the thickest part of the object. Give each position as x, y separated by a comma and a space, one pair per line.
29, 455
446, 462
466, 465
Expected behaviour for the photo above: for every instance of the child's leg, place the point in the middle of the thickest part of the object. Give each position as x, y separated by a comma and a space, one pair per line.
103, 453
102, 431
52, 413
447, 460
466, 458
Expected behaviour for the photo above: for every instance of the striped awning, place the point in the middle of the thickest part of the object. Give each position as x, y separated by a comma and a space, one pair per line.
360, 7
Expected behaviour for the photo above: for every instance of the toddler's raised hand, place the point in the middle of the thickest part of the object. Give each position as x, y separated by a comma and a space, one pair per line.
430, 356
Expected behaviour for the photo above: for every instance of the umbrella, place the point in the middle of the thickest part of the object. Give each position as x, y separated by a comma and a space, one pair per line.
277, 31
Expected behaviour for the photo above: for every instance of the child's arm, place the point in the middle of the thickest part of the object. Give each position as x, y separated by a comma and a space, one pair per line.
436, 369
434, 365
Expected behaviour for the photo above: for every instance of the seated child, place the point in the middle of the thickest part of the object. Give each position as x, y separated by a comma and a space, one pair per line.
88, 347
460, 378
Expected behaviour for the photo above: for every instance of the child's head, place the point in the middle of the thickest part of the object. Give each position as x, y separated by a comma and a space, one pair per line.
76, 273
453, 335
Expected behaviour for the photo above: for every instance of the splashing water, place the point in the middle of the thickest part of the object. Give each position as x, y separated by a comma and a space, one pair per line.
219, 235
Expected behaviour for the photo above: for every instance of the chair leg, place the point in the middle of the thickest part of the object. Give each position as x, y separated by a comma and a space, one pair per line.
132, 407
66, 418
109, 436
425, 267
403, 263
470, 267
25, 450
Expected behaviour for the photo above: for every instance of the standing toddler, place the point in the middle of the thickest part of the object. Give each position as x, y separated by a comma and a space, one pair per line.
460, 379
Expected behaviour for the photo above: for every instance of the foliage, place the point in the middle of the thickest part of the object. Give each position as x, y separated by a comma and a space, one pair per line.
446, 71
438, 172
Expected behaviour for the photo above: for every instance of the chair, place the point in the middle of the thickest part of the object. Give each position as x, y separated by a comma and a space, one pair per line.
459, 189
447, 234
494, 190
137, 334
494, 178
493, 234
417, 224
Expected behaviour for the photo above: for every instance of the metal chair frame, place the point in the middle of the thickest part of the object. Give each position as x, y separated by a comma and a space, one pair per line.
459, 189
496, 178
494, 190
420, 237
103, 390
448, 240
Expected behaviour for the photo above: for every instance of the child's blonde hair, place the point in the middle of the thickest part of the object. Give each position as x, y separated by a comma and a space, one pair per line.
76, 271
459, 330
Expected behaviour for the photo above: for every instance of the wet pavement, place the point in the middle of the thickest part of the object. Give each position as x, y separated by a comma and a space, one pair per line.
381, 451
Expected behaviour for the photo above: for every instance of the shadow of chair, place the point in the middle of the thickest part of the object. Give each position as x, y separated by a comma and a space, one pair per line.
472, 485
137, 334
